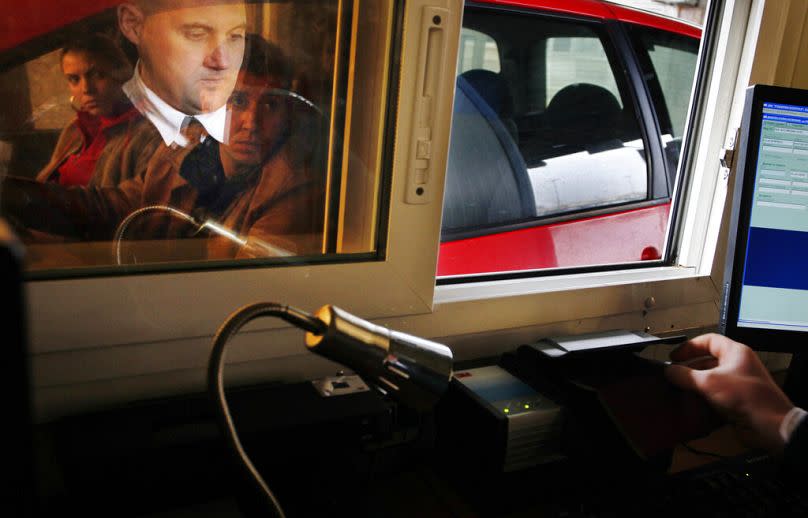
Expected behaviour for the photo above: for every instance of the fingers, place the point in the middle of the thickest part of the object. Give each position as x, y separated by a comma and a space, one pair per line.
711, 344
700, 362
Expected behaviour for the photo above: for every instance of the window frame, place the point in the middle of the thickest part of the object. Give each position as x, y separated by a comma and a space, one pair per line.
148, 335
680, 297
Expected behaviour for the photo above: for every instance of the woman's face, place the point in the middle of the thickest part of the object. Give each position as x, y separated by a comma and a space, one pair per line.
91, 83
257, 120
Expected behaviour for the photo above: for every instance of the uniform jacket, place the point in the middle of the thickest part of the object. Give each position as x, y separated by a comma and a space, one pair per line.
796, 454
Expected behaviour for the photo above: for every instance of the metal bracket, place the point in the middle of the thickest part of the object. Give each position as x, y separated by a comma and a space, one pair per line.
727, 154
340, 385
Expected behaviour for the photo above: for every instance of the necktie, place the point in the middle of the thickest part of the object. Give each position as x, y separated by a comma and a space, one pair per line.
192, 130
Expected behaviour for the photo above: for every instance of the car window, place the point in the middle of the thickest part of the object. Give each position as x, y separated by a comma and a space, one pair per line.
576, 59
477, 50
669, 65
241, 146
553, 134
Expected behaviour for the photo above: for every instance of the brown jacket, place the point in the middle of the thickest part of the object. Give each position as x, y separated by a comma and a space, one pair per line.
279, 205
128, 148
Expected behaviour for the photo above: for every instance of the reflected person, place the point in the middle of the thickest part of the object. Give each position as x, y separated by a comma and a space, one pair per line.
258, 189
189, 54
100, 146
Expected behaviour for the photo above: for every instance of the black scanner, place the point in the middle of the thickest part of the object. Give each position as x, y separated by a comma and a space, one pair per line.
619, 407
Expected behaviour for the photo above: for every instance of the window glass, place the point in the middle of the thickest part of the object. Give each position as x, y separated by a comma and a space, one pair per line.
128, 146
477, 50
675, 68
547, 154
669, 62
577, 59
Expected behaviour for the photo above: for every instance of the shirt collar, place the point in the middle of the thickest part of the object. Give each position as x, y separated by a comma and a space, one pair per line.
166, 118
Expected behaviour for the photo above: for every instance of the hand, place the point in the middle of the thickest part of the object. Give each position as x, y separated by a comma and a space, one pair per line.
739, 387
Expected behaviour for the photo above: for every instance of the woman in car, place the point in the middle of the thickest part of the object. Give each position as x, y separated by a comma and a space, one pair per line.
95, 148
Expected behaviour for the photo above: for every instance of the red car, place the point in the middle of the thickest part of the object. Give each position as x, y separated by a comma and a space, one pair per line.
568, 119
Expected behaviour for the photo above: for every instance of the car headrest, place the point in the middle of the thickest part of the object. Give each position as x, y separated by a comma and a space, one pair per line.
584, 108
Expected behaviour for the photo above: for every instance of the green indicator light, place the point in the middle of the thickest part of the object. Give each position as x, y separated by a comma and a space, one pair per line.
527, 406
507, 410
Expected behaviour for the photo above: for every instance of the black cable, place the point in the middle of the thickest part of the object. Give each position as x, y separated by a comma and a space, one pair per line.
216, 377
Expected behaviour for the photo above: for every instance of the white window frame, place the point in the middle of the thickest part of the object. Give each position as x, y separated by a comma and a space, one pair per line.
679, 298
104, 341
683, 298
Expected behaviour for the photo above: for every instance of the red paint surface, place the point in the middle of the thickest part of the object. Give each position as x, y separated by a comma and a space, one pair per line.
28, 19
612, 238
603, 10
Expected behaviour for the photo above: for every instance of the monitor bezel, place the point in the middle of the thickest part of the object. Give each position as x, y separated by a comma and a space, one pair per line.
762, 339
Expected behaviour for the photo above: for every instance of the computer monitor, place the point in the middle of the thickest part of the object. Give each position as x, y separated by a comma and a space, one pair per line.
765, 292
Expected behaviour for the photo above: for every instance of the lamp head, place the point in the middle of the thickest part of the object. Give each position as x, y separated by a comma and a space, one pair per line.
414, 370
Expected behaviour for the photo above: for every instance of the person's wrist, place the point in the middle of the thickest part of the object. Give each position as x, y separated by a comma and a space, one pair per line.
790, 422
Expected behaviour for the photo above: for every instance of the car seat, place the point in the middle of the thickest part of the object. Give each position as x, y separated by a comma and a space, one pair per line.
494, 89
486, 181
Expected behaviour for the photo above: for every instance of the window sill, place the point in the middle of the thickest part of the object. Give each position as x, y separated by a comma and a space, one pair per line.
507, 288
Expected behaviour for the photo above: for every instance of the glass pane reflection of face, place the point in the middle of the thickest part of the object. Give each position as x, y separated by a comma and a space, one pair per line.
92, 87
258, 118
190, 53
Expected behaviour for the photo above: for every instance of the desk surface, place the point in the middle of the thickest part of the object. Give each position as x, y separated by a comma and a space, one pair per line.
723, 442
424, 491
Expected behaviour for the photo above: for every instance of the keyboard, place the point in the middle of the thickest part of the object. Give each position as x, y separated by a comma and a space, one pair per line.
743, 487
746, 486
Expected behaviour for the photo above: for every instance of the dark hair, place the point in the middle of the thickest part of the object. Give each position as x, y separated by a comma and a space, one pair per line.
103, 48
263, 59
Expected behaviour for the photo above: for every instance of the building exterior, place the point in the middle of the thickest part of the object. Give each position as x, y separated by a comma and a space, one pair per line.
689, 10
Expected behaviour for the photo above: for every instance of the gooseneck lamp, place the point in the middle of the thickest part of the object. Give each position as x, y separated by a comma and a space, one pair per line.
413, 370
257, 247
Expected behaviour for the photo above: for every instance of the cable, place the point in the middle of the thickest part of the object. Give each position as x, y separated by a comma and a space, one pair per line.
216, 377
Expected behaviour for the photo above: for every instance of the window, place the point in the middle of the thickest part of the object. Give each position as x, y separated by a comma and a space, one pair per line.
143, 330
101, 178
576, 59
477, 51
669, 64
555, 159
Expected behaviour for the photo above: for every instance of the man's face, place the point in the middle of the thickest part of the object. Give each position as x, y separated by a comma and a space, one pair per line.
190, 54
258, 118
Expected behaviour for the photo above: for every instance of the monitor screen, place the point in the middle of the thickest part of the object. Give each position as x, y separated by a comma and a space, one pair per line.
766, 280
